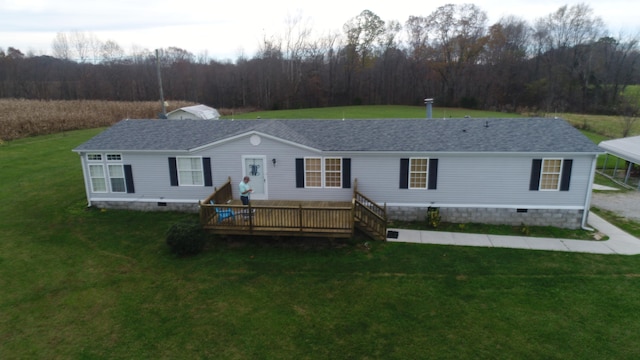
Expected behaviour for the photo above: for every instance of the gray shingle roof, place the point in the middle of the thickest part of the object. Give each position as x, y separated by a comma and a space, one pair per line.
394, 135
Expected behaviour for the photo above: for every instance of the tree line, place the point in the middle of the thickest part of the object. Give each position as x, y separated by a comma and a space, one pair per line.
565, 61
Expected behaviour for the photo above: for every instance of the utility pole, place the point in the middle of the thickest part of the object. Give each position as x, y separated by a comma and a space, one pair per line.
163, 115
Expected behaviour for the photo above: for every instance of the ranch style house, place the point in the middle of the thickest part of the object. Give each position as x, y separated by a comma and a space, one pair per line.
532, 171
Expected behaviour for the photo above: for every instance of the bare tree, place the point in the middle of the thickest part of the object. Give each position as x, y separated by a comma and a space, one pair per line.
323, 60
565, 41
418, 36
296, 45
389, 37
85, 46
505, 56
459, 35
61, 47
569, 27
112, 52
615, 62
363, 31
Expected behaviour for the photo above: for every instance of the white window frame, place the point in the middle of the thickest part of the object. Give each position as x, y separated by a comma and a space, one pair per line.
325, 172
112, 177
196, 174
94, 178
543, 173
113, 157
426, 174
94, 157
115, 160
105, 162
322, 172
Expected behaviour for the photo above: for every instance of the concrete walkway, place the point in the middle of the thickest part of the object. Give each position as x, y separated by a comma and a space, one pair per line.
619, 242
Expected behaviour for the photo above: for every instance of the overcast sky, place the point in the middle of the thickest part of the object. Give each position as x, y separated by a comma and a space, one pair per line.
226, 29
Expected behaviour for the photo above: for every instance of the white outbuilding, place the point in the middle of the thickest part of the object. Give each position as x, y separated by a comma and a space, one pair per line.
195, 112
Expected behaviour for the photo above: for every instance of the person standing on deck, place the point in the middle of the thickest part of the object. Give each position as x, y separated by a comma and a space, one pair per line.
245, 190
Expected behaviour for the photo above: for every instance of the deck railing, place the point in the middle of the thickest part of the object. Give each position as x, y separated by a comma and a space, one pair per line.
332, 219
369, 216
221, 195
278, 220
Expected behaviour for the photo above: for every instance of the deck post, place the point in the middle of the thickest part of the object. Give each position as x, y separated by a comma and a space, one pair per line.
353, 215
355, 187
250, 215
300, 217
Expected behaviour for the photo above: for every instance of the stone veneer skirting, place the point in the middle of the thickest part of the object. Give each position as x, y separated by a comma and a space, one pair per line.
571, 219
148, 206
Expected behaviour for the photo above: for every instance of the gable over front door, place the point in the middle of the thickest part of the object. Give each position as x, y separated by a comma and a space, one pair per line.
254, 167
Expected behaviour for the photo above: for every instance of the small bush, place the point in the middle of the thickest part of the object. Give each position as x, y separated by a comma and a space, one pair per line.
186, 238
433, 217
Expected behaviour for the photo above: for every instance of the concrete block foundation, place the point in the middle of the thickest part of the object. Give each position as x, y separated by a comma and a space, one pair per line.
570, 219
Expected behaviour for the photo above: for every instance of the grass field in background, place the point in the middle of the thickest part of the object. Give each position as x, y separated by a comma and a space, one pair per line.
24, 118
370, 112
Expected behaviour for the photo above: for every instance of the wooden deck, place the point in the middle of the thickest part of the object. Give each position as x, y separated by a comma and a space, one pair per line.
291, 218
279, 218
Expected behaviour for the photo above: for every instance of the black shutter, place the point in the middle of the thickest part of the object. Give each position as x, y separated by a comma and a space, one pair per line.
346, 173
404, 173
206, 165
128, 179
299, 173
536, 167
433, 174
173, 171
566, 175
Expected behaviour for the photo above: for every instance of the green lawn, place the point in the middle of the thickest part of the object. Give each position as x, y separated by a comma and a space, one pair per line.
88, 284
371, 112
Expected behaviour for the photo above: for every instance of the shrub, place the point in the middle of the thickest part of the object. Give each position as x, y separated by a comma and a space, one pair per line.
186, 238
433, 217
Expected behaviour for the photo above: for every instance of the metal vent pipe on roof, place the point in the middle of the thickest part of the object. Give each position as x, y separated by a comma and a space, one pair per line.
429, 103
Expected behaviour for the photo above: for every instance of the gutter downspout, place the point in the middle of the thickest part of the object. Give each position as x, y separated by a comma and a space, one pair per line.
587, 201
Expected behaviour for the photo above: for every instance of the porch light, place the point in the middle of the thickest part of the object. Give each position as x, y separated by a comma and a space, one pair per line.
274, 161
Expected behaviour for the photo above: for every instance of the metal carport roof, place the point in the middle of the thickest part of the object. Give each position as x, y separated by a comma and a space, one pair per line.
626, 148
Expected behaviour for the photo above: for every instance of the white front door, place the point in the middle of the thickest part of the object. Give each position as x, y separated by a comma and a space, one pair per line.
254, 167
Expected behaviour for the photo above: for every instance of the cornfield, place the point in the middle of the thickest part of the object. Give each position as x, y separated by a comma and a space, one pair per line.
24, 118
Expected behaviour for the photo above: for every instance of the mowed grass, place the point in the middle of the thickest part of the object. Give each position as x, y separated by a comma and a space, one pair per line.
90, 284
370, 112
